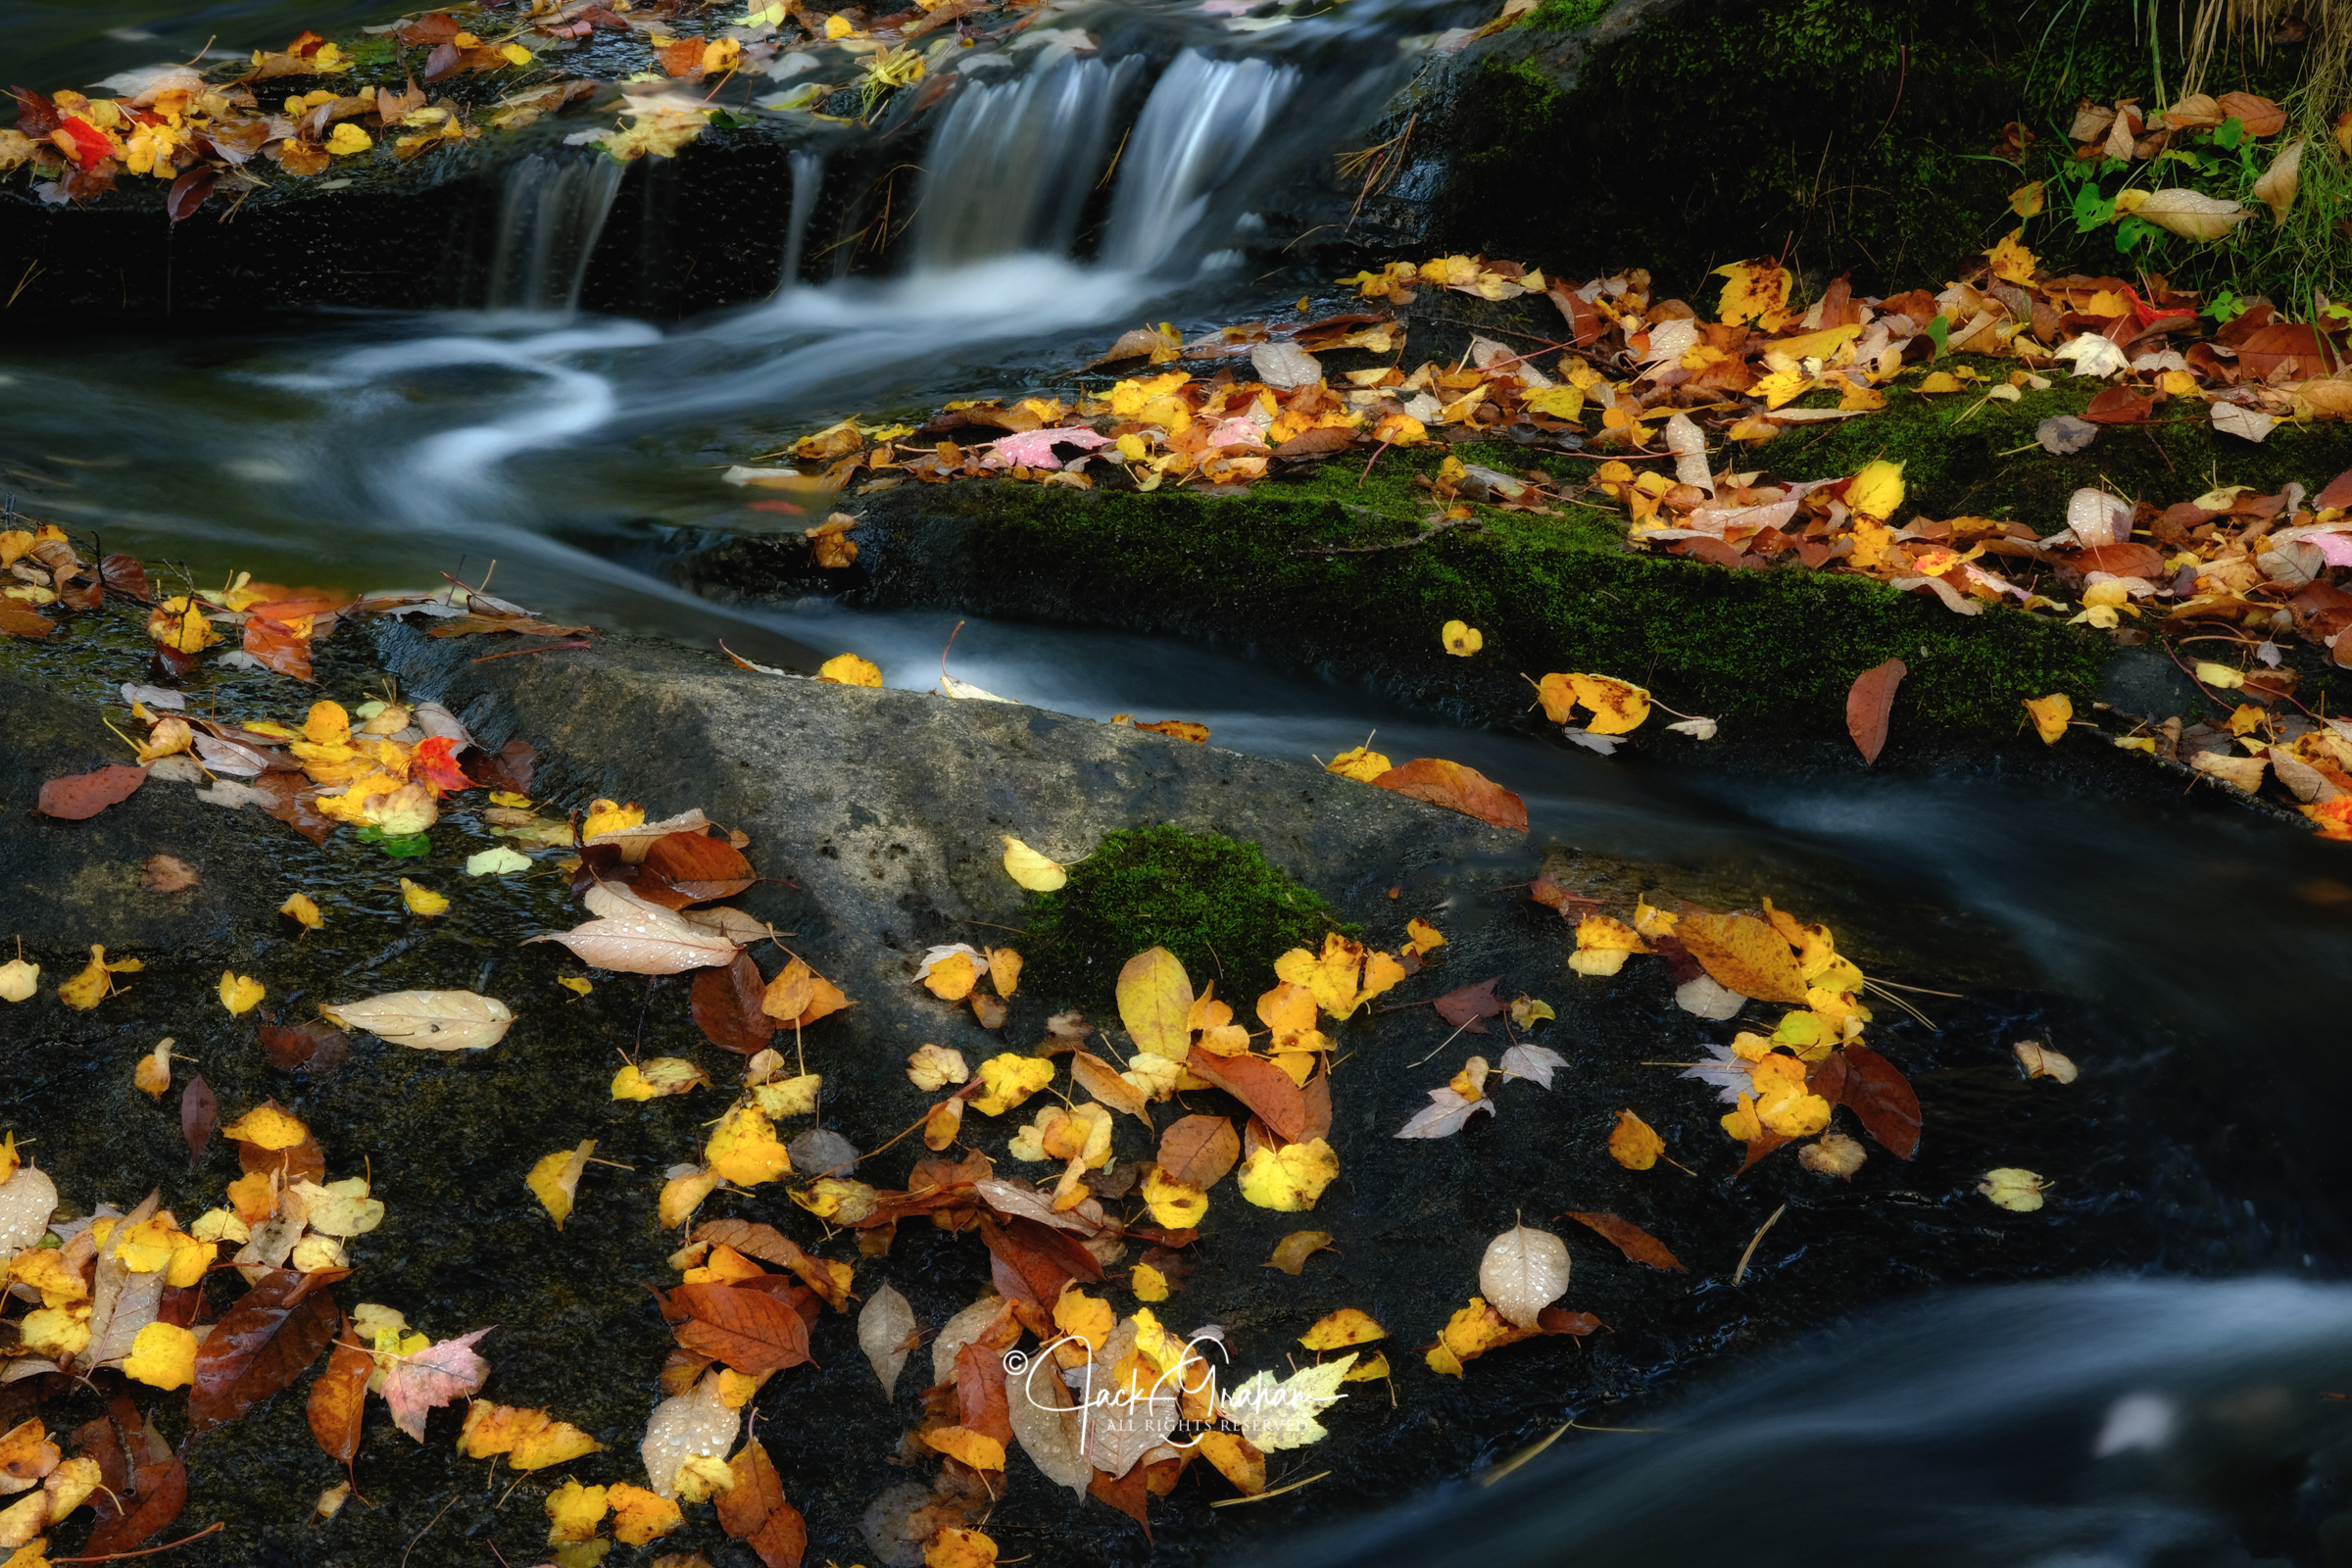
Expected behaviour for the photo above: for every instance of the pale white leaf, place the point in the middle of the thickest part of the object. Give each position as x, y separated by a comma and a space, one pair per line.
960, 1331
1447, 1113
885, 1324
435, 719
227, 757
1689, 449
2095, 517
933, 957
966, 690
1281, 1415
1703, 997
2093, 354
1525, 1270
1046, 1421
1536, 1062
1698, 730
1120, 1429
1727, 1073
633, 841
155, 697
696, 1422
640, 938
496, 862
26, 1201
430, 1020
733, 924
1606, 745
1285, 365
2235, 419
2190, 214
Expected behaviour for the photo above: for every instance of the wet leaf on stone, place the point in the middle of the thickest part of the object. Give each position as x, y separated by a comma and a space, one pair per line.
1457, 788
266, 1340
1637, 1243
727, 1003
198, 1114
1868, 704
1524, 1271
751, 1331
886, 1328
77, 797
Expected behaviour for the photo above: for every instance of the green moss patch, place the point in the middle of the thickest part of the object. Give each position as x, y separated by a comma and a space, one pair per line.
1217, 902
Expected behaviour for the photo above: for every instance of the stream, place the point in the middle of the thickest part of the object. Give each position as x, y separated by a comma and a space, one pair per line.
2156, 1420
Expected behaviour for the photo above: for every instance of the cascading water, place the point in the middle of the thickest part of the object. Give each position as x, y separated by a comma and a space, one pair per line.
1012, 163
1203, 126
549, 219
808, 182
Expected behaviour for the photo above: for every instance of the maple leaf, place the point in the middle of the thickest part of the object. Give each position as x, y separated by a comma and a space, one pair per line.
531, 1439
430, 1378
1276, 1414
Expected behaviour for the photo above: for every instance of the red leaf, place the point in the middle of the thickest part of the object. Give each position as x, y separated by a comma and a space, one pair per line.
36, 115
1571, 907
1261, 1086
510, 769
2118, 405
1883, 1097
434, 763
1038, 1260
1458, 788
90, 146
198, 1114
1129, 1493
163, 1490
296, 805
445, 60
683, 869
751, 1331
188, 194
274, 644
2338, 492
263, 1343
1463, 1008
1631, 1240
1558, 1320
82, 796
726, 1003
980, 1390
314, 1049
1868, 704
754, 1511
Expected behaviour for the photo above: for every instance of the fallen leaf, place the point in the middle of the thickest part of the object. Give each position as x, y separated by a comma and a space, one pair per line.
82, 796
1336, 1331
1199, 1151
1277, 1414
2190, 214
198, 1114
634, 937
1156, 997
166, 873
531, 1439
1290, 1178
430, 1020
1458, 788
1524, 1271
1743, 955
1834, 1154
1459, 639
2040, 1061
2063, 435
1879, 1094
728, 1002
753, 1511
2050, 714
748, 1330
886, 1332
687, 1438
1466, 1006
1637, 1243
339, 1398
266, 1339
1634, 1143
2013, 1189
1031, 869
1867, 706
1292, 1251
556, 1178
429, 1379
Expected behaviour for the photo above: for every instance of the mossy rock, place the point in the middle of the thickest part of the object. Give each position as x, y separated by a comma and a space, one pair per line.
1215, 902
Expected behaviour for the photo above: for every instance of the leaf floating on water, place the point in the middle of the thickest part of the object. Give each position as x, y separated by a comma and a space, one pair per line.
430, 1020
1524, 1271
2013, 1188
1457, 787
2040, 1061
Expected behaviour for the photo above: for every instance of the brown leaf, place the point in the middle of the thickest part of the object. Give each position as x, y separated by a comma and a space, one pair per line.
262, 1345
16, 619
163, 1491
166, 873
1557, 1320
314, 1049
338, 1396
2117, 404
980, 1402
2261, 116
1571, 907
1292, 1252
124, 575
1102, 1080
725, 1002
305, 1161
1038, 1260
277, 647
771, 1246
1260, 1085
1868, 704
1199, 1151
1464, 1007
1631, 1239
683, 869
754, 1511
82, 796
1875, 1091
510, 767
198, 1114
748, 1330
1458, 788
1316, 443
1130, 1494
2120, 559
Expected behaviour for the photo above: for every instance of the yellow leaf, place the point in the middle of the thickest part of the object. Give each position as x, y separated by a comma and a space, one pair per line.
1175, 1205
1757, 291
59, 1333
153, 1075
1367, 1371
1010, 1079
348, 138
421, 900
573, 1513
848, 670
19, 980
683, 1194
575, 984
2050, 716
1426, 938
1781, 386
1634, 1143
1745, 955
743, 1150
1031, 869
1618, 706
953, 978
531, 1439
266, 1127
2221, 675
162, 1357
1742, 1123
639, 1515
92, 986
604, 816
2013, 1189
1460, 640
1148, 1283
556, 1178
1877, 490
1154, 997
1781, 1101
975, 1449
2011, 261
2027, 201
301, 910
1361, 763
46, 1270
1339, 1330
954, 1546
1291, 1178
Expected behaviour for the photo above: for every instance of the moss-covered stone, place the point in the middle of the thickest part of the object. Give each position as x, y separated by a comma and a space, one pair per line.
1218, 903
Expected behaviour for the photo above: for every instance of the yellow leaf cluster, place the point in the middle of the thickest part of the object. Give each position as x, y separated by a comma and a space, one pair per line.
1343, 978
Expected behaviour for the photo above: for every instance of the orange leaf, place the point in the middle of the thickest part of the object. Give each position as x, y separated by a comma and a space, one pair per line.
1199, 1151
1458, 788
748, 1330
1867, 706
1631, 1240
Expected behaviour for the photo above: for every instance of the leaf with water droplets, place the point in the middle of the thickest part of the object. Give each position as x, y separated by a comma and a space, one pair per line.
1524, 1271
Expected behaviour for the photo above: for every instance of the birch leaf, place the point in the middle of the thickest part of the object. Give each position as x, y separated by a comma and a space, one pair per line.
2190, 214
1524, 1271
697, 1422
430, 1020
1154, 997
885, 1325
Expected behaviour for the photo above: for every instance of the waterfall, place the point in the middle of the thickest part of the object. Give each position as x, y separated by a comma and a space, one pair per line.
1197, 136
549, 218
808, 180
1012, 163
